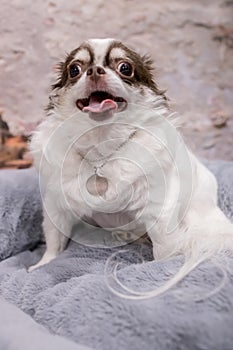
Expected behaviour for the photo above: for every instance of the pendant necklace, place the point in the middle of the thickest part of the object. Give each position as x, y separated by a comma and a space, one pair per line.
96, 184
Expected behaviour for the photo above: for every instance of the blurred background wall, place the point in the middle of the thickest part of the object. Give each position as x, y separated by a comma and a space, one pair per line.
191, 42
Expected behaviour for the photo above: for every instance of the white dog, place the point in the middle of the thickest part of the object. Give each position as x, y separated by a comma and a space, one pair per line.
109, 153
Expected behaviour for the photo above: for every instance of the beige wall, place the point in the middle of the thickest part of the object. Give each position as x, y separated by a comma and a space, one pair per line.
179, 35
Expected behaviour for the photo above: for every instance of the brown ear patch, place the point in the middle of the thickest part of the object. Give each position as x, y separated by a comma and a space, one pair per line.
62, 75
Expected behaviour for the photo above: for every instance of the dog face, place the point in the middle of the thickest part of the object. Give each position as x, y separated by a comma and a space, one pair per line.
102, 77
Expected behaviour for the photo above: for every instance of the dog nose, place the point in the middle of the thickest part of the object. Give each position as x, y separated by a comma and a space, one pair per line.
95, 72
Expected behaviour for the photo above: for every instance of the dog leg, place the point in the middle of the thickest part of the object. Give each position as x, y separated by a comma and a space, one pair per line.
57, 235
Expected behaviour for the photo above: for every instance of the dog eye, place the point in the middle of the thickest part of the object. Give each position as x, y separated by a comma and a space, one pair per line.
74, 70
125, 68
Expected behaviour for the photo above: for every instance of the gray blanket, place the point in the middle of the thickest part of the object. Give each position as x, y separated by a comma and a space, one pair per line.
69, 297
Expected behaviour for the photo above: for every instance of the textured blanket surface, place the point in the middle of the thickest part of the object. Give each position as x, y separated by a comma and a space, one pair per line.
20, 211
69, 297
19, 331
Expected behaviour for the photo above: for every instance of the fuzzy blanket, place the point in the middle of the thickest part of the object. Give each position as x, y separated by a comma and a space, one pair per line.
67, 303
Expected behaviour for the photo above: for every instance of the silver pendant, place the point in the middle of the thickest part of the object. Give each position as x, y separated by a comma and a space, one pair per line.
97, 185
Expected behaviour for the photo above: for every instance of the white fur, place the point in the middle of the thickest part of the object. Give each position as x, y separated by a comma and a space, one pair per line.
162, 188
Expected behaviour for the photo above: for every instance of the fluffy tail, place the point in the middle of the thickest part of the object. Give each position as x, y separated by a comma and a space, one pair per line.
212, 239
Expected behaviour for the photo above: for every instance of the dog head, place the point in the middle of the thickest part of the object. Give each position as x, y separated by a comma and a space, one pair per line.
103, 77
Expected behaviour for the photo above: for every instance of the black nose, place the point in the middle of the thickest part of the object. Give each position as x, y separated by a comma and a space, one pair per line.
95, 72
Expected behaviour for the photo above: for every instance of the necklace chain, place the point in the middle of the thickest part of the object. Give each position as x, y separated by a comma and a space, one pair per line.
106, 159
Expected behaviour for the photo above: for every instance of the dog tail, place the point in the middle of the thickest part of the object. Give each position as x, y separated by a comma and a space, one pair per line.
205, 243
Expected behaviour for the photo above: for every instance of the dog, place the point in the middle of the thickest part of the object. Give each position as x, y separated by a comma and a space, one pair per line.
109, 153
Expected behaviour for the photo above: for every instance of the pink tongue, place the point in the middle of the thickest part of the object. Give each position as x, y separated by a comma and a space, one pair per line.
97, 107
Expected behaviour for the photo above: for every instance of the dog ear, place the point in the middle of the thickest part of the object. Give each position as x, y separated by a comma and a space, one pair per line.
146, 72
148, 63
60, 69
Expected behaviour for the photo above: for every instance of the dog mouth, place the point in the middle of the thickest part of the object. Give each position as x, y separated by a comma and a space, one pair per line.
101, 101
